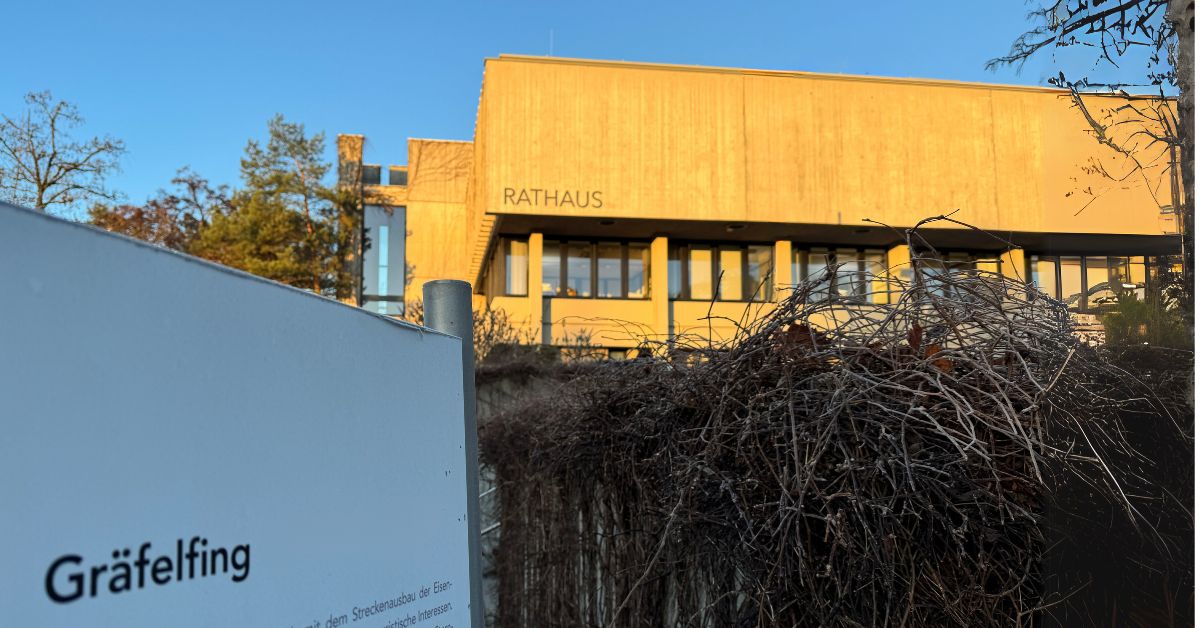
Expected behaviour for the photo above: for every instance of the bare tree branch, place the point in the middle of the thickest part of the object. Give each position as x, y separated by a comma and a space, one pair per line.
42, 166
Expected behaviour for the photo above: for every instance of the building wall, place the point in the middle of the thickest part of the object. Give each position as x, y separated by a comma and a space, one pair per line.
720, 146
438, 172
737, 145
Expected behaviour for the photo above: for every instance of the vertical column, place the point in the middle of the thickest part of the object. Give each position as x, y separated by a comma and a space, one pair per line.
1012, 264
660, 296
448, 310
350, 153
899, 269
535, 287
782, 280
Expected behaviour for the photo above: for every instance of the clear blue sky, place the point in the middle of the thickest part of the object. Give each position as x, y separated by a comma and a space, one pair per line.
189, 83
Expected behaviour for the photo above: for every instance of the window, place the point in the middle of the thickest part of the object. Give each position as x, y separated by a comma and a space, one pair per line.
639, 270
508, 272
1070, 281
579, 269
370, 174
760, 267
936, 267
397, 175
551, 269
675, 273
700, 264
845, 274
1135, 279
1099, 291
606, 270
1043, 274
383, 267
730, 272
516, 267
383, 260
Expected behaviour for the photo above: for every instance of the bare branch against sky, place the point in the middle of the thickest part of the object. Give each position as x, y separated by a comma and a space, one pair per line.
44, 167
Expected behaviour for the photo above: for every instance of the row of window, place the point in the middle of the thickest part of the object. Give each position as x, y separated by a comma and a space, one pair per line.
570, 268
605, 270
846, 274
742, 272
726, 272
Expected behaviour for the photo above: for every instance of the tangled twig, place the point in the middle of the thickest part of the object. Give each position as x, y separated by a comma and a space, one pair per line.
837, 463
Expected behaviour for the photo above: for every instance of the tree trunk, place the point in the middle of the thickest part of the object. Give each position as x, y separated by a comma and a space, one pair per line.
1182, 15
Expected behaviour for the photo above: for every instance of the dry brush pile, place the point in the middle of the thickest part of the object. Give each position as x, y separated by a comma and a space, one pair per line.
835, 465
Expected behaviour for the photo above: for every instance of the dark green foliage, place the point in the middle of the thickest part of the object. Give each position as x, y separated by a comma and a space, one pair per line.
260, 236
1137, 322
285, 224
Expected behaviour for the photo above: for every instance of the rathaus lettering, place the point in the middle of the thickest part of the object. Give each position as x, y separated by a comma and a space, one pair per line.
553, 198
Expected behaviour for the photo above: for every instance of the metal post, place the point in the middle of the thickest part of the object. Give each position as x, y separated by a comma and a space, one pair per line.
448, 310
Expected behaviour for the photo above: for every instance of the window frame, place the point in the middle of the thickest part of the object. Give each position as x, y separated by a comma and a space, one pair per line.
683, 250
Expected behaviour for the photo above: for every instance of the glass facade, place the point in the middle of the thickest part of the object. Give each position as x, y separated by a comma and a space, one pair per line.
728, 272
383, 266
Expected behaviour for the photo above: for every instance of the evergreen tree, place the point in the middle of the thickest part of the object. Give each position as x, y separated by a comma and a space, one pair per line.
262, 236
285, 224
288, 175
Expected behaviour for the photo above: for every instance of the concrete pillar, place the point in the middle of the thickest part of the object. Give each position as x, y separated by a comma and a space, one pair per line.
660, 296
349, 172
1012, 264
899, 269
535, 287
350, 154
782, 279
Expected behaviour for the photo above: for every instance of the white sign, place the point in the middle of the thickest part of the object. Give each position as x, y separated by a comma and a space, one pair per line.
186, 445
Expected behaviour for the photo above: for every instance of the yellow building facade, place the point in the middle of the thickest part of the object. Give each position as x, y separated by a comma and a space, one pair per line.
606, 202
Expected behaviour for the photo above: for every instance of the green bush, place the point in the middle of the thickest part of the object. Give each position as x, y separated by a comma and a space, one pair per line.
1137, 322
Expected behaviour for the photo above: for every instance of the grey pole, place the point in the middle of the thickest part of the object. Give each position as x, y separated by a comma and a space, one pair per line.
448, 310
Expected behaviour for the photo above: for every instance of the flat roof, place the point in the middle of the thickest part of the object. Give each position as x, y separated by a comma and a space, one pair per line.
644, 65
